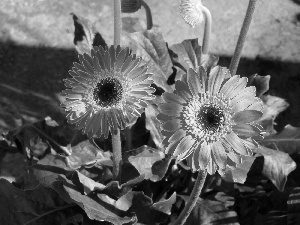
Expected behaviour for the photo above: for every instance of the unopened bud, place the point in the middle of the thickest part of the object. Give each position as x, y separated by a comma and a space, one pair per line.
130, 6
191, 11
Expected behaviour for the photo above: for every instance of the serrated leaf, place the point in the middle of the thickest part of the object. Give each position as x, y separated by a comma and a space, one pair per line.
288, 140
95, 208
151, 46
153, 125
166, 204
239, 173
86, 154
211, 212
37, 206
189, 55
86, 35
273, 105
277, 166
261, 83
144, 161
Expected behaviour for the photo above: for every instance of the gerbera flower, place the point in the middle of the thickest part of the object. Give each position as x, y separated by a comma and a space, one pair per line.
191, 11
209, 121
108, 89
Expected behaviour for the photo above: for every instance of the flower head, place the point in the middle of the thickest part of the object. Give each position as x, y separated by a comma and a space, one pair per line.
108, 89
209, 121
191, 11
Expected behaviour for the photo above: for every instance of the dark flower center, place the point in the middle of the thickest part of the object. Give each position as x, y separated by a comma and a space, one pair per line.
108, 92
210, 118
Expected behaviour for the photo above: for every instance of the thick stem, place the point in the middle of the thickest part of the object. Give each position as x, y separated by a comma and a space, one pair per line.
242, 37
117, 22
117, 154
128, 135
193, 198
207, 29
148, 15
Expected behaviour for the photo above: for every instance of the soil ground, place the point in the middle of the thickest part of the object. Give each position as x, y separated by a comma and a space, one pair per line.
36, 49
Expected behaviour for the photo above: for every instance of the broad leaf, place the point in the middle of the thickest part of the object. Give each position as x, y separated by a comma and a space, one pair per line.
188, 54
261, 83
160, 168
87, 183
37, 206
86, 154
277, 166
144, 161
95, 208
211, 212
239, 173
153, 125
287, 141
151, 46
85, 35
272, 107
166, 204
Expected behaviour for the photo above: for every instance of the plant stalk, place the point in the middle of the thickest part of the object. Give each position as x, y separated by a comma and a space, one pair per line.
117, 22
242, 37
193, 198
207, 29
148, 14
117, 154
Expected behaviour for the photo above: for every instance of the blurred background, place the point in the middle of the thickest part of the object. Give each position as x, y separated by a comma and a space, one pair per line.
36, 48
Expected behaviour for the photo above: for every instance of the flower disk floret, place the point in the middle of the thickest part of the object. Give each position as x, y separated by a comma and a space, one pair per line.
109, 88
209, 120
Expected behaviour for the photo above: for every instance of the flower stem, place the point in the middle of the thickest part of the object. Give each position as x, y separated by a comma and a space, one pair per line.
193, 198
207, 29
242, 37
117, 22
148, 15
117, 154
128, 135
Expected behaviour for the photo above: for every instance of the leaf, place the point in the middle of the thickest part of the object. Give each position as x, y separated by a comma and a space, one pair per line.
239, 173
293, 203
36, 138
287, 141
189, 55
211, 212
153, 125
86, 154
272, 107
49, 168
37, 206
160, 168
277, 166
88, 184
261, 83
95, 208
165, 205
85, 35
144, 161
151, 46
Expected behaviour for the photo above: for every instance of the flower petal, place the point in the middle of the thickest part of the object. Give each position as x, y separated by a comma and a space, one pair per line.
244, 104
171, 97
170, 109
246, 116
171, 125
184, 145
240, 86
179, 134
216, 78
229, 85
182, 90
204, 155
219, 154
236, 143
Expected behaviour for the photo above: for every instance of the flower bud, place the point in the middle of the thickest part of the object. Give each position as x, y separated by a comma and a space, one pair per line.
130, 6
191, 11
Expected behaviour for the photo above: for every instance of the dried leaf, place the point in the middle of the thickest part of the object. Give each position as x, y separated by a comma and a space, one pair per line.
277, 166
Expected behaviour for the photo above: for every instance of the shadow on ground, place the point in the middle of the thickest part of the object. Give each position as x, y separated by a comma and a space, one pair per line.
32, 78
